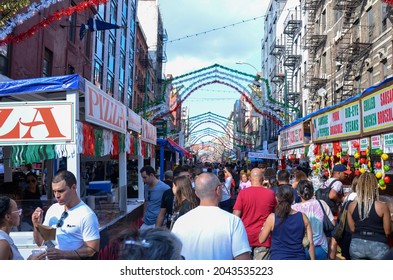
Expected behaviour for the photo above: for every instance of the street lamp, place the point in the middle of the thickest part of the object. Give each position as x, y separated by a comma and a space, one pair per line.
245, 63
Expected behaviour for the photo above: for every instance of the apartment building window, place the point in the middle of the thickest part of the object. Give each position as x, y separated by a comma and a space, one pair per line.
113, 12
47, 63
370, 21
323, 63
384, 17
70, 69
101, 10
122, 76
370, 78
125, 9
120, 94
323, 21
123, 36
384, 69
98, 74
111, 52
72, 28
3, 60
129, 96
99, 47
110, 85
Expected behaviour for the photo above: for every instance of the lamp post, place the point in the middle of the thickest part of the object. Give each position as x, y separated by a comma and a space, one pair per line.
258, 76
245, 63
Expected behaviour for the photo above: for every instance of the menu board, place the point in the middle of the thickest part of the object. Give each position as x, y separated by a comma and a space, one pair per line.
339, 123
377, 110
292, 137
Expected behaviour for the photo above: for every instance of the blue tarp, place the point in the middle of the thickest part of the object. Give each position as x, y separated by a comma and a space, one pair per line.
173, 148
365, 92
39, 85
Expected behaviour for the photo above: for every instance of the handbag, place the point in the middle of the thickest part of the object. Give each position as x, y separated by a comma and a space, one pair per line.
338, 233
327, 224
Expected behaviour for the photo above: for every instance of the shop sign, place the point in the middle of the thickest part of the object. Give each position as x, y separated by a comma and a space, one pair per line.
364, 144
377, 110
376, 142
104, 110
292, 137
134, 121
339, 123
264, 155
388, 143
344, 146
36, 123
353, 146
149, 132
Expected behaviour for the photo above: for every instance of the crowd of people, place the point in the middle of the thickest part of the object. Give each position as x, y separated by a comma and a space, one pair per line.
261, 213
221, 213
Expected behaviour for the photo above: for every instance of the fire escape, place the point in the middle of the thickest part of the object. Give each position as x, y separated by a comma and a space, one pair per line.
313, 42
277, 49
292, 61
351, 48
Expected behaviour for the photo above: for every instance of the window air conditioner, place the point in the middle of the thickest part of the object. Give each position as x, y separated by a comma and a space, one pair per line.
367, 63
382, 54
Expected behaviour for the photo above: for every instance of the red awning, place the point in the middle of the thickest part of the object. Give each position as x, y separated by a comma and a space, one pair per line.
173, 143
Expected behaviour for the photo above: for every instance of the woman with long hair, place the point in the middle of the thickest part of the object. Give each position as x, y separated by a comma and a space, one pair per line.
288, 228
369, 221
185, 198
311, 207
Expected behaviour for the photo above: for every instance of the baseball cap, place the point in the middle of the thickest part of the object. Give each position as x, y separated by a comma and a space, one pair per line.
341, 168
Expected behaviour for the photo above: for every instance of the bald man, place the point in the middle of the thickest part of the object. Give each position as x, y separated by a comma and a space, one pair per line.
253, 205
208, 232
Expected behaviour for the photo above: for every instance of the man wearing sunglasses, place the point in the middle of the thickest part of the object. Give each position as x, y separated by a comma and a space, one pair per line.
77, 228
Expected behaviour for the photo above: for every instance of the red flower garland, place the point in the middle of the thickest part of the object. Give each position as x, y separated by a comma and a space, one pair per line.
58, 15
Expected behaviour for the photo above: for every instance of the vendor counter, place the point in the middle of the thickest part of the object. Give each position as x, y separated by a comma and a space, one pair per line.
110, 220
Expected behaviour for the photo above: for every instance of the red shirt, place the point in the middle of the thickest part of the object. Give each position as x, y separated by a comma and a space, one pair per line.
255, 204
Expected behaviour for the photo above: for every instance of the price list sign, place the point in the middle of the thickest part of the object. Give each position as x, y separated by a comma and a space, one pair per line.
377, 110
339, 123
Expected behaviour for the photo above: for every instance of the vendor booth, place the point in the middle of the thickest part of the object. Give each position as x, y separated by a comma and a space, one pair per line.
357, 132
67, 122
293, 142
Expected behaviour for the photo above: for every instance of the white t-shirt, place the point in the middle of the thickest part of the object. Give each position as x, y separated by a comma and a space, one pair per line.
80, 225
210, 233
226, 189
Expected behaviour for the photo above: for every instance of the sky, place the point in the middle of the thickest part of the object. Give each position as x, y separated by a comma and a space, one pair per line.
197, 39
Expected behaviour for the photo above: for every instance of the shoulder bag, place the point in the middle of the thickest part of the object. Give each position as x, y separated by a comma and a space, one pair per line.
327, 224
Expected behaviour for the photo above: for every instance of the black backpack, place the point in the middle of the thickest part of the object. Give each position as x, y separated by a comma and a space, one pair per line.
323, 194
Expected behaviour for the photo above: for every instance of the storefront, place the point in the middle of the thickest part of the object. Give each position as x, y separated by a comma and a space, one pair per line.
65, 122
294, 140
357, 132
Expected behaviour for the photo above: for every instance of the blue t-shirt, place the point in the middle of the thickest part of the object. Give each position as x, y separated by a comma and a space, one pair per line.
153, 198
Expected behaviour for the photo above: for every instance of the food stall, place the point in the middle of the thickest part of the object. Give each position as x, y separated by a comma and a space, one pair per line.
357, 132
293, 142
59, 121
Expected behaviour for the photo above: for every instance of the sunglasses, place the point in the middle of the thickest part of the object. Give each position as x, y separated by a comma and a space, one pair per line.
60, 223
19, 211
31, 181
